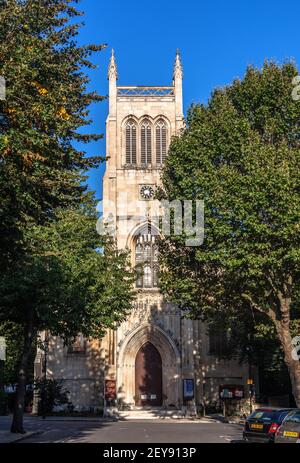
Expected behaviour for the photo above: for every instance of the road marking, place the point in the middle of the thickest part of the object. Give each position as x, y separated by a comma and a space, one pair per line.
228, 438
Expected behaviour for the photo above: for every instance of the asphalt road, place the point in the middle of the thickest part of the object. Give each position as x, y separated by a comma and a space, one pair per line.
130, 432
161, 432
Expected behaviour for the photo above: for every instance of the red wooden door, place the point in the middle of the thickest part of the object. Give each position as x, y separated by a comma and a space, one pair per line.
148, 376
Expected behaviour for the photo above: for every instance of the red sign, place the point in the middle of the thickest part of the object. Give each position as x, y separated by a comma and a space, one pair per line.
232, 391
110, 389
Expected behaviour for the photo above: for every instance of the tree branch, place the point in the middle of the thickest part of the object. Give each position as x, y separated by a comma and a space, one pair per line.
271, 313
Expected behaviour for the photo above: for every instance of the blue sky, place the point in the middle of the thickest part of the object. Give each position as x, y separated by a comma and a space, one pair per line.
217, 40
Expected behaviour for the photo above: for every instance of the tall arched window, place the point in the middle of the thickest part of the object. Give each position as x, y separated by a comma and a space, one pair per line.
131, 142
146, 142
146, 261
161, 141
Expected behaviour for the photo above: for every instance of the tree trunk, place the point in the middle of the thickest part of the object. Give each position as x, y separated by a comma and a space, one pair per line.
284, 334
17, 426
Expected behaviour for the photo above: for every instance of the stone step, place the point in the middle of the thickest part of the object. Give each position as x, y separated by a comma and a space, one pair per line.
154, 414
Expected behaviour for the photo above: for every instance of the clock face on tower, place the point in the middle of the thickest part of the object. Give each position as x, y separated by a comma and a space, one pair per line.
147, 192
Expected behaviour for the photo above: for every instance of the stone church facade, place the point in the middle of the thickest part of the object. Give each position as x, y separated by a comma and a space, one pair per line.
155, 358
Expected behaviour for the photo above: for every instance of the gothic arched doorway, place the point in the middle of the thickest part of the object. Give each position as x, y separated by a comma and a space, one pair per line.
148, 376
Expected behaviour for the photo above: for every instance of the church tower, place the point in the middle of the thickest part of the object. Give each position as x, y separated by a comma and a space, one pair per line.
156, 357
147, 347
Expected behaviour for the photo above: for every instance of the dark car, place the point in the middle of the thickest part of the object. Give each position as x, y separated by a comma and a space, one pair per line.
289, 431
262, 425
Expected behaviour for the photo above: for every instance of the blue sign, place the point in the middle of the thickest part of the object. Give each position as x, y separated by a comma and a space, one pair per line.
188, 389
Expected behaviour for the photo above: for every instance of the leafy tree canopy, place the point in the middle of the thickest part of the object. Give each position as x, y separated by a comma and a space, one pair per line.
240, 154
72, 281
47, 101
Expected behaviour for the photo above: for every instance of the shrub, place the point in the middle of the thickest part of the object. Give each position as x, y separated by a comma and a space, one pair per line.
51, 394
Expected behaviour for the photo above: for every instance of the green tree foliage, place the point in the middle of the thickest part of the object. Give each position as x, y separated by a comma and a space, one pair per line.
46, 103
13, 335
54, 274
72, 281
51, 393
240, 153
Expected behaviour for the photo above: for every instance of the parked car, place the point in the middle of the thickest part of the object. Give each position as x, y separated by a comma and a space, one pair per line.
262, 425
289, 431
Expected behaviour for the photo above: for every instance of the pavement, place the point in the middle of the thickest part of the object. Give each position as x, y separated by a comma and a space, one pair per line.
87, 430
37, 426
